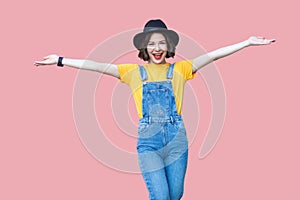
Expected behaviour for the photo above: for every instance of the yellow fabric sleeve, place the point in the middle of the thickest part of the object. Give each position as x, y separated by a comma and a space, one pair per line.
124, 69
185, 68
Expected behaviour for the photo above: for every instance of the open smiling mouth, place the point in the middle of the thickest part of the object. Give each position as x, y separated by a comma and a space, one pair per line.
157, 56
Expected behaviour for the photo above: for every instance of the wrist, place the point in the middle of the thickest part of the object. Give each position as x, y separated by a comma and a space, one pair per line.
59, 61
246, 43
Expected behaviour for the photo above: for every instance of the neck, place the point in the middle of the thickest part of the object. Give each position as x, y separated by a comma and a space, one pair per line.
162, 62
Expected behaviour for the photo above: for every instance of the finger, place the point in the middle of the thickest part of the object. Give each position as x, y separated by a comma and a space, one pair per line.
36, 64
39, 62
46, 57
270, 41
260, 37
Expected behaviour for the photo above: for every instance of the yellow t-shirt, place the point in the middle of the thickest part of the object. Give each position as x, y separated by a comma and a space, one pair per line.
130, 74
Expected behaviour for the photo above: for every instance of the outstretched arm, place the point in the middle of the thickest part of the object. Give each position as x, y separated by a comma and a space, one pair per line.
109, 69
209, 57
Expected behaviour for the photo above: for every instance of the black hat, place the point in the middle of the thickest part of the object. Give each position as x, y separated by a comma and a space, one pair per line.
152, 26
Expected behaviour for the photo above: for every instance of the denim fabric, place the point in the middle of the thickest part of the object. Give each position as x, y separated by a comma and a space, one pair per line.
162, 143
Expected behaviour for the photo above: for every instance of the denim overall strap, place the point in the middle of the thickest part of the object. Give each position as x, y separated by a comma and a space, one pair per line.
170, 71
143, 73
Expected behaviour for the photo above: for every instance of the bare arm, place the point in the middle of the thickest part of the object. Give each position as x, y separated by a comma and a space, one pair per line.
105, 68
209, 57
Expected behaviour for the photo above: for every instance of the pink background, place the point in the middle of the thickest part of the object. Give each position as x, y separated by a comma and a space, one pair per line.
257, 156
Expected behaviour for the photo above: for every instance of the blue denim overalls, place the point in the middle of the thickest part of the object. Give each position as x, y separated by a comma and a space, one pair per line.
162, 143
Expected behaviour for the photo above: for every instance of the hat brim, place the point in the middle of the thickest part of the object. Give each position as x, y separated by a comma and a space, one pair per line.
139, 38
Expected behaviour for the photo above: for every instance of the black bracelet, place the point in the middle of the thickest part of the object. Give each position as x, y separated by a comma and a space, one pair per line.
59, 63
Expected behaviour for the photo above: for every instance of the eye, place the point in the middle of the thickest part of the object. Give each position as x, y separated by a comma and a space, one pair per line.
162, 42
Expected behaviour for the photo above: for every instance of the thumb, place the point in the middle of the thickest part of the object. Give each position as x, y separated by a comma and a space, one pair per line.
46, 57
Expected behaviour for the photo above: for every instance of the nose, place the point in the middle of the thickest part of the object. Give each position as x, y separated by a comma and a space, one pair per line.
157, 47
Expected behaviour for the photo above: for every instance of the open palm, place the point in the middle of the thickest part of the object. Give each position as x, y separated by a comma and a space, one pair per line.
48, 60
259, 40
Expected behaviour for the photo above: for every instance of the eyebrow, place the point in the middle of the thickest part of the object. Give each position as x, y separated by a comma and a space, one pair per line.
158, 41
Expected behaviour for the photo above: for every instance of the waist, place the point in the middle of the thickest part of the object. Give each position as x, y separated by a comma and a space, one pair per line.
166, 119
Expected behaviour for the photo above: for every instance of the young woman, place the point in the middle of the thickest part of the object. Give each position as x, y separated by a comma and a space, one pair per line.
157, 88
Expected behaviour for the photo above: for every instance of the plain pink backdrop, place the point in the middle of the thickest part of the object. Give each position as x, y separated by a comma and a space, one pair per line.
257, 156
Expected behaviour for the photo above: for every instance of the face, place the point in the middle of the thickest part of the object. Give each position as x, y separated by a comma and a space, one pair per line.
157, 48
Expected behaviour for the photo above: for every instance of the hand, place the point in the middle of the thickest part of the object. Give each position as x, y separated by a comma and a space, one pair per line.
48, 60
259, 41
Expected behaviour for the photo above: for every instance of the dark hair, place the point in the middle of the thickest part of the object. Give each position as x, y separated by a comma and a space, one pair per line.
143, 54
